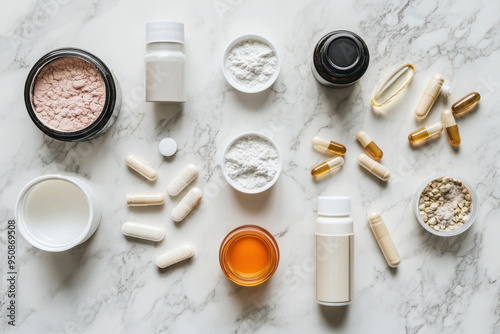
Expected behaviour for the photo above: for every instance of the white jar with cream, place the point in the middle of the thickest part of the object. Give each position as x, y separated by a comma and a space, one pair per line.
56, 213
166, 78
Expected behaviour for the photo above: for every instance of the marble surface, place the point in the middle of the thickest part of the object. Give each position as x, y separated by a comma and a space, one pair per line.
110, 284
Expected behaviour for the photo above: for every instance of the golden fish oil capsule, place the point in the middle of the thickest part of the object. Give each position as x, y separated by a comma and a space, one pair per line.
327, 167
384, 239
323, 145
426, 132
374, 167
465, 104
450, 125
430, 95
369, 145
393, 85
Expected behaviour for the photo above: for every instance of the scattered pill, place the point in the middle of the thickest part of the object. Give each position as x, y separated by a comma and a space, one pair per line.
374, 167
145, 199
429, 96
186, 205
384, 239
142, 231
167, 147
181, 181
141, 167
174, 256
451, 127
327, 167
393, 86
369, 145
426, 132
323, 145
465, 104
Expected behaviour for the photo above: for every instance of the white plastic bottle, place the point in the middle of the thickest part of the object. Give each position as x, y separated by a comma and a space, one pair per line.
166, 78
334, 251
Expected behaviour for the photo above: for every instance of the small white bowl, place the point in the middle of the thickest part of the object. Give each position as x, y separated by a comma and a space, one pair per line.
238, 186
472, 214
229, 76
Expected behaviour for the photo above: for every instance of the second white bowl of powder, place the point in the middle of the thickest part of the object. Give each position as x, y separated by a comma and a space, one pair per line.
251, 162
251, 63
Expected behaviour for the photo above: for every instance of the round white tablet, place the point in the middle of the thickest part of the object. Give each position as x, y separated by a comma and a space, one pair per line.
168, 147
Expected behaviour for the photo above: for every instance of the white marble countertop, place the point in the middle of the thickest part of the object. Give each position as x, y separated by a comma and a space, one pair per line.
110, 284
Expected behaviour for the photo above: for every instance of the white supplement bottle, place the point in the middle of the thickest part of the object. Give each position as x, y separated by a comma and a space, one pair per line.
165, 62
334, 251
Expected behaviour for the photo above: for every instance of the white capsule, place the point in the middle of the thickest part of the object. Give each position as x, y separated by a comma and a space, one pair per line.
374, 167
141, 167
186, 205
430, 95
143, 231
145, 199
181, 181
174, 256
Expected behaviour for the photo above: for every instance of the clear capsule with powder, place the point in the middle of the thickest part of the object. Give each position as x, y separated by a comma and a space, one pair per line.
88, 83
393, 85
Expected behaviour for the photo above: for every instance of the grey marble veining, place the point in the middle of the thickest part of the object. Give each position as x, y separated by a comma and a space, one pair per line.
111, 284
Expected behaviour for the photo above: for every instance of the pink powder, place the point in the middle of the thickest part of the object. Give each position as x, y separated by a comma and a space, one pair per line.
69, 94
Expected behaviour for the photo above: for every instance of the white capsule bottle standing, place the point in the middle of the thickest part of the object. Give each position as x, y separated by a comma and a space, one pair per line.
166, 78
334, 251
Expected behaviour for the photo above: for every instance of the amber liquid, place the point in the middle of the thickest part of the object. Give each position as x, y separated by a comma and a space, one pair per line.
374, 151
336, 148
249, 255
320, 170
418, 136
453, 135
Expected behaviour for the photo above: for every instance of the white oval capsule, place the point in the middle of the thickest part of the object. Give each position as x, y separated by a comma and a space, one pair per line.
174, 256
142, 231
374, 167
141, 167
384, 239
186, 205
181, 181
429, 96
145, 199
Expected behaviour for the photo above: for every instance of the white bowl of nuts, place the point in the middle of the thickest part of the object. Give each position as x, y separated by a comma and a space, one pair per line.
446, 205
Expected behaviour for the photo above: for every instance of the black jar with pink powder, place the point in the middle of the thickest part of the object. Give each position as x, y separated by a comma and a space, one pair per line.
71, 95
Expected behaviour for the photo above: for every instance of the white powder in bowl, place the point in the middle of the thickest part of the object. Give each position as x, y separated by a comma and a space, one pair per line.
251, 63
252, 162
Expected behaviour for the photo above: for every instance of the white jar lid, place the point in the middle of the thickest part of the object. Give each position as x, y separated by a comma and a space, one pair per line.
164, 31
334, 206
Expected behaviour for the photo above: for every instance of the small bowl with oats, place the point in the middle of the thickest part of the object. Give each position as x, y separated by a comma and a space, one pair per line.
446, 205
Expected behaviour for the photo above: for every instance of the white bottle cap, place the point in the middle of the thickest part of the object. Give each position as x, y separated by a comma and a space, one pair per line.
168, 147
164, 31
334, 206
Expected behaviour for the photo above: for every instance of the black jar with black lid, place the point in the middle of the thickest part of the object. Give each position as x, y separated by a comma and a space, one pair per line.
340, 59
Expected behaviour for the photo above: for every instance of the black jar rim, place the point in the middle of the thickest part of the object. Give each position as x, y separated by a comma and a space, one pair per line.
333, 73
109, 105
